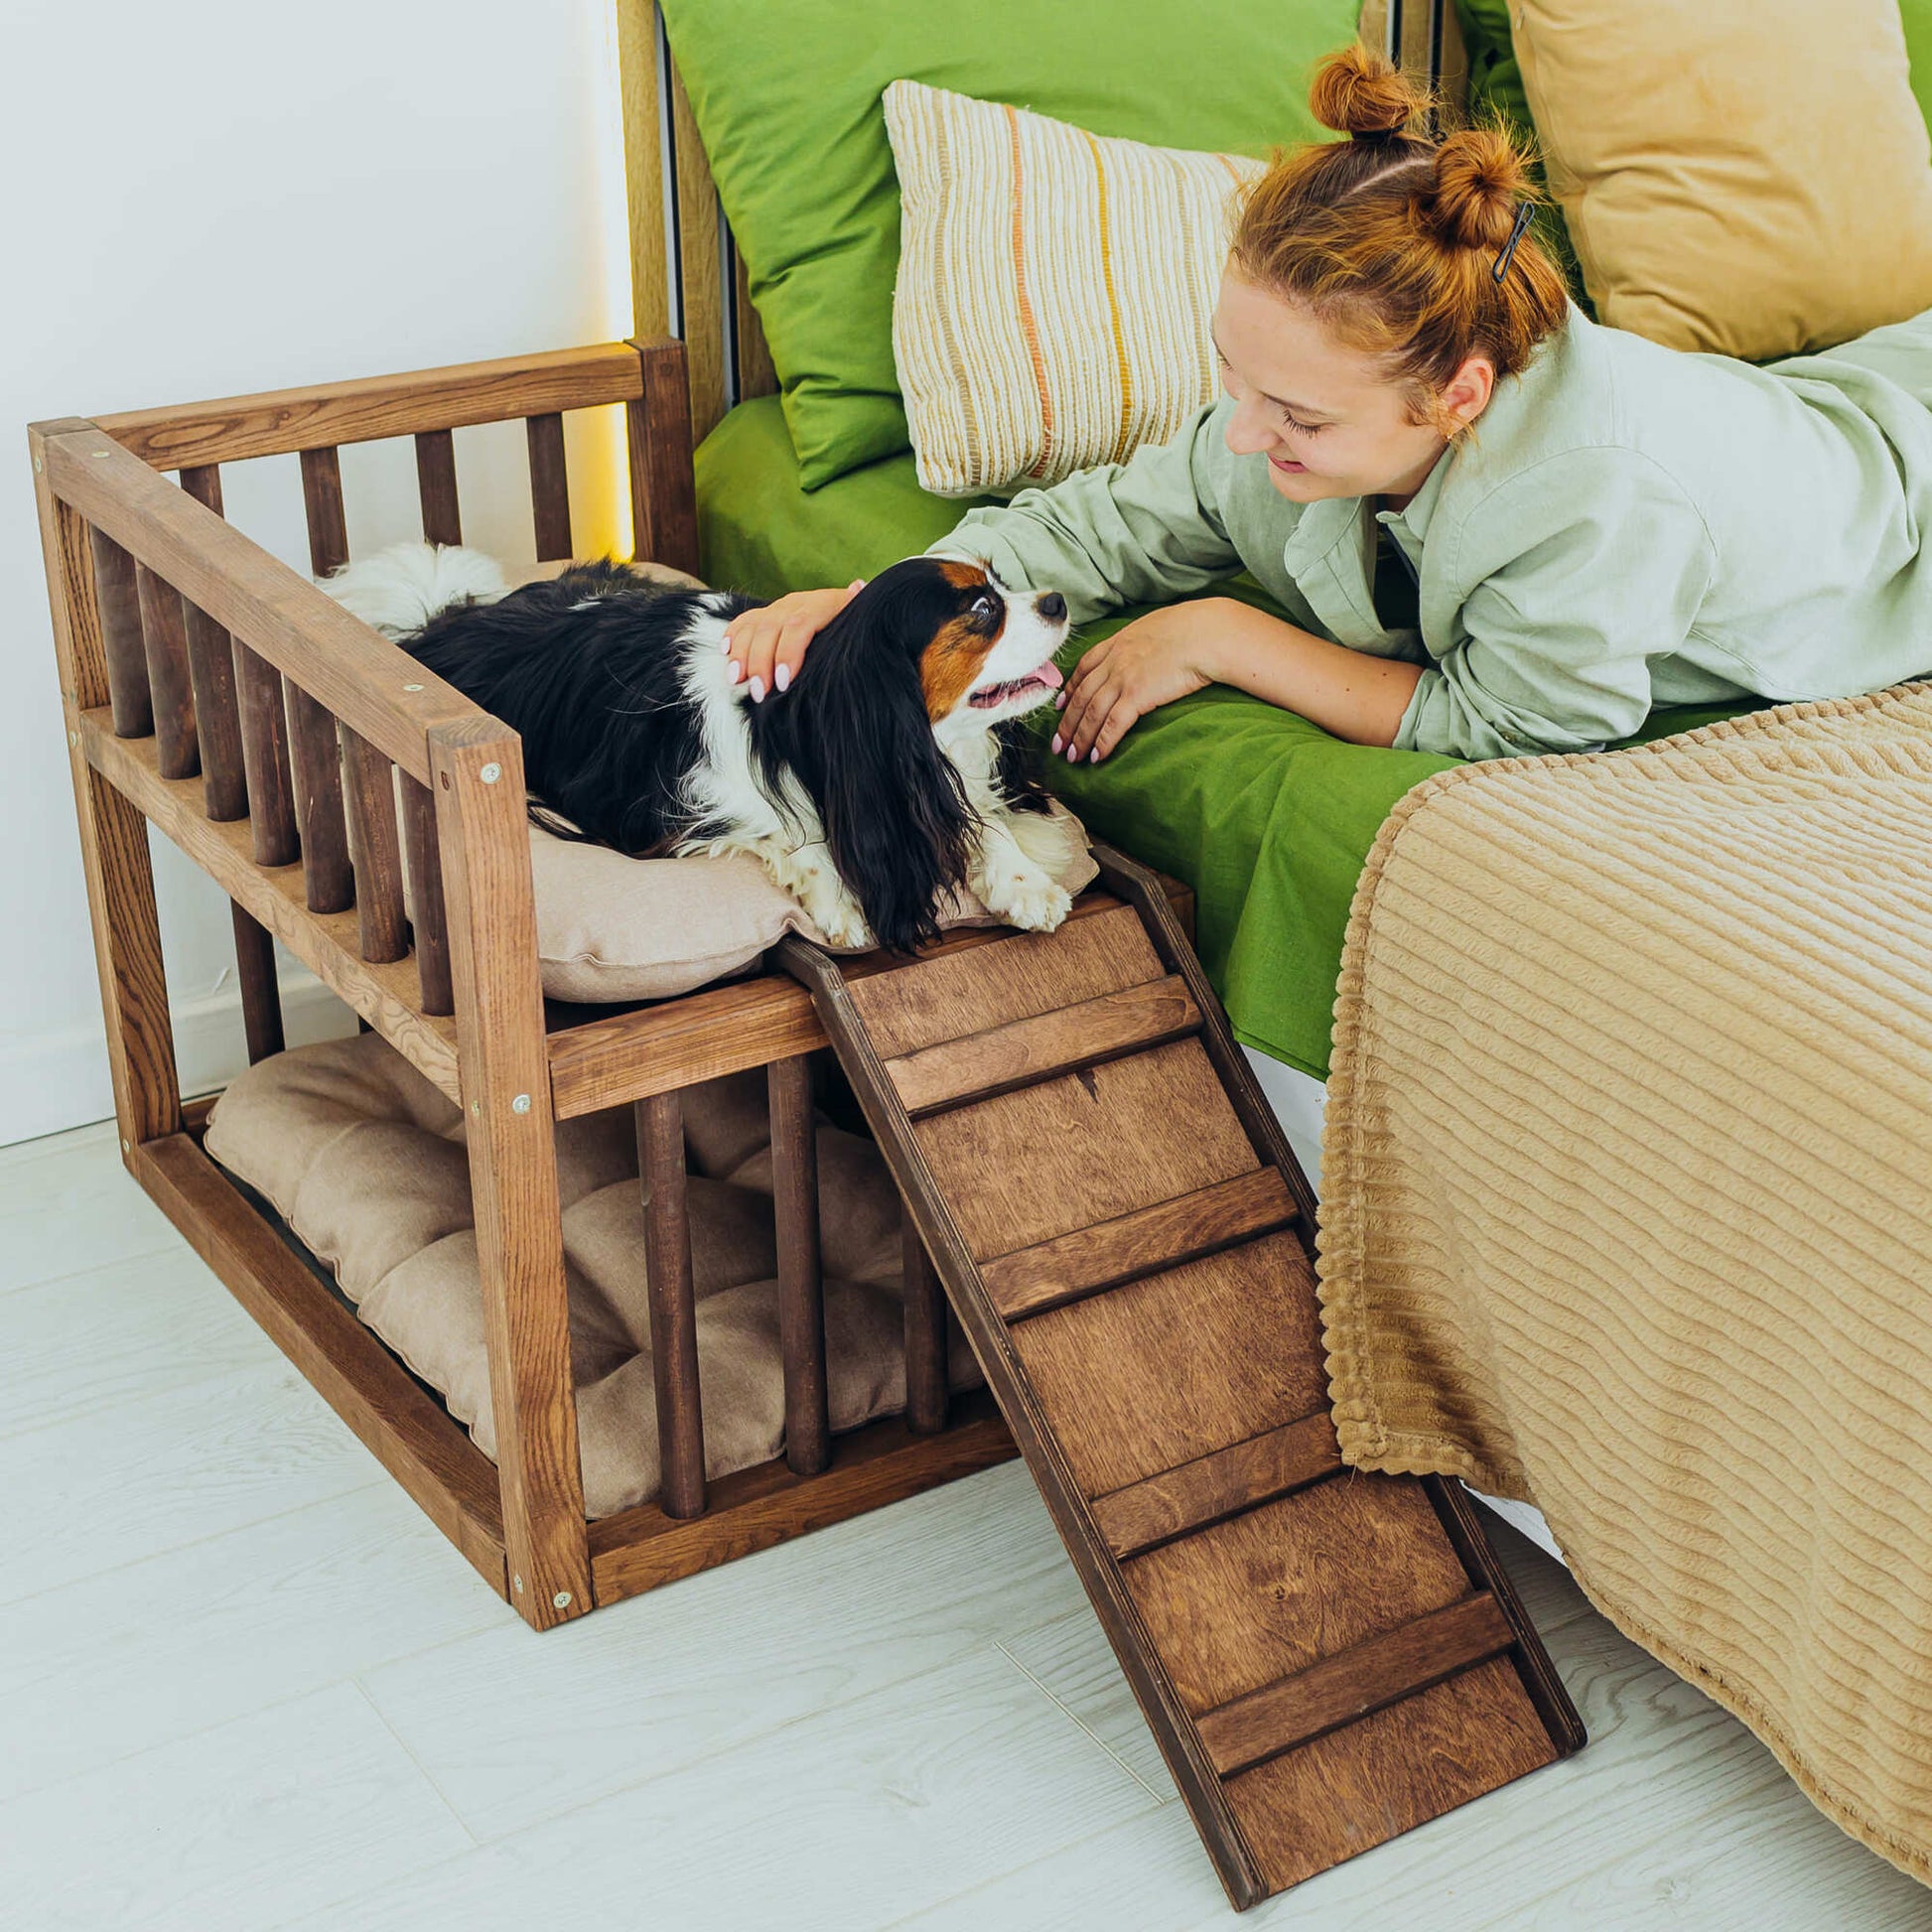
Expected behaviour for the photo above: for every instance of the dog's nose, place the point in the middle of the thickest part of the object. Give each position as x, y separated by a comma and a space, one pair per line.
1052, 606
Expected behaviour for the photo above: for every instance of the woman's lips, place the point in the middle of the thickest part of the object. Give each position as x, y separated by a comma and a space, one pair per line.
1293, 468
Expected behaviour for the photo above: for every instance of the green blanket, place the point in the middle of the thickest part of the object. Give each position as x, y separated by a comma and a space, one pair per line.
1264, 814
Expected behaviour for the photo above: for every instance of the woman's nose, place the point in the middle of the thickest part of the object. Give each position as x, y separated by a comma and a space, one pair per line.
1051, 606
1245, 435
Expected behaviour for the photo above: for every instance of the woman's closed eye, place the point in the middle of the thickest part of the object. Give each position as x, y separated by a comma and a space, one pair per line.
1291, 421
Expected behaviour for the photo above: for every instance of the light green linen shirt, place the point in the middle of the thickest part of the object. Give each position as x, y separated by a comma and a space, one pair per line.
1626, 526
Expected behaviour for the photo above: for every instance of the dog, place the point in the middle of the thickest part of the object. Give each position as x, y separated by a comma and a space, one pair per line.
888, 772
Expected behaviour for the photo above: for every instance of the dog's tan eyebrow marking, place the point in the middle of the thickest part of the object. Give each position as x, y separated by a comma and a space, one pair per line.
962, 576
949, 664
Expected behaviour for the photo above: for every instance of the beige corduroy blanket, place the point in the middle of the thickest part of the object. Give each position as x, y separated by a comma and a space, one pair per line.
1628, 1204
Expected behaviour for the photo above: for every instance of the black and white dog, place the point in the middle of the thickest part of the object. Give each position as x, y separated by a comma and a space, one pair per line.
886, 774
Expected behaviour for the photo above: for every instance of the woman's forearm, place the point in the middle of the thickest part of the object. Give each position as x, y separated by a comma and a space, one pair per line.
1346, 692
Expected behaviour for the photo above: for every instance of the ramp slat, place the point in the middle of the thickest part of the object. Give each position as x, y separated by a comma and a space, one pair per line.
1025, 1052
1189, 1229
1162, 1507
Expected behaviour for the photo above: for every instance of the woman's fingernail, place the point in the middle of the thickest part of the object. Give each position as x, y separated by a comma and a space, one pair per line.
1093, 756
758, 690
735, 672
1059, 703
782, 677
1073, 755
1057, 746
725, 646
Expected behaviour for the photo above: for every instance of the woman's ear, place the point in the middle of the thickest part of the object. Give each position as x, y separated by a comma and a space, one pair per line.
1465, 395
896, 817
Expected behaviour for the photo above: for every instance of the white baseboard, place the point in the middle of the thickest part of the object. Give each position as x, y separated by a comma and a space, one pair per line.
49, 1084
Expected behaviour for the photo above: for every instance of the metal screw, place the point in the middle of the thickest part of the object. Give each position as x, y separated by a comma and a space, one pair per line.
516, 1584
40, 467
490, 773
522, 1104
127, 1146
100, 455
74, 738
561, 1601
475, 1107
412, 687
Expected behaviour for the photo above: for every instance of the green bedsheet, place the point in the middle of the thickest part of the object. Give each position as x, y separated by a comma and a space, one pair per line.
1265, 815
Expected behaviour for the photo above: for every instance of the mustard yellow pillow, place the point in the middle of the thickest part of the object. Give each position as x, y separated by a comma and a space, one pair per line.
1054, 289
1746, 175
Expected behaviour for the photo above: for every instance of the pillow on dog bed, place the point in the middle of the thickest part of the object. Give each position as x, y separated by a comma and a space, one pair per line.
364, 1160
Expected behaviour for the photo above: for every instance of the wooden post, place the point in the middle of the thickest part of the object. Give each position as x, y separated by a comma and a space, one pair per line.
113, 837
381, 930
117, 608
316, 754
673, 1312
477, 771
212, 667
925, 1335
432, 926
261, 993
549, 486
664, 495
801, 1283
165, 632
435, 485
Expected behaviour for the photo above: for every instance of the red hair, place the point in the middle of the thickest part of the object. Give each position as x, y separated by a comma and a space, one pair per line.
1395, 239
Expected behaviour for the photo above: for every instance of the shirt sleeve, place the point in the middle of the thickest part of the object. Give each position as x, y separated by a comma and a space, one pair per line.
1580, 572
1135, 532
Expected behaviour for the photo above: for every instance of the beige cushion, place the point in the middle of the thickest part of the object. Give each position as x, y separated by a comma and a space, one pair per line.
365, 1162
1746, 175
1054, 289
611, 928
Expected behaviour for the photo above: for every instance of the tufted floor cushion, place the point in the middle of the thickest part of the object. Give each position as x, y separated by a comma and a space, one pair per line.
365, 1162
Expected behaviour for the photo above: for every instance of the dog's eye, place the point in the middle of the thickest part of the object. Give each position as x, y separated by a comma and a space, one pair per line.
985, 607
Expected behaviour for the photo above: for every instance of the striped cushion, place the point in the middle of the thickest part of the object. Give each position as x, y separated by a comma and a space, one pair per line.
1054, 289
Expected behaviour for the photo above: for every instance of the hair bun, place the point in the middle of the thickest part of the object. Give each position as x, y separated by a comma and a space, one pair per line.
1363, 95
1481, 183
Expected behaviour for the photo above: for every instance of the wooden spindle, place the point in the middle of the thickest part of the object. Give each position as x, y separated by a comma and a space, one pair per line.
801, 1283
261, 992
674, 1310
119, 605
172, 687
549, 486
381, 926
435, 485
663, 504
265, 759
315, 753
212, 667
432, 921
926, 1335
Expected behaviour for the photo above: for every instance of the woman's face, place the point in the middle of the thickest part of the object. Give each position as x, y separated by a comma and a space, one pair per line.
1328, 419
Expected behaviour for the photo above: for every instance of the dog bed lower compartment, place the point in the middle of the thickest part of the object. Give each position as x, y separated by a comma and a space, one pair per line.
365, 1160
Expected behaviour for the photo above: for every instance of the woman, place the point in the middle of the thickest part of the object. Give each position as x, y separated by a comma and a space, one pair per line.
1575, 524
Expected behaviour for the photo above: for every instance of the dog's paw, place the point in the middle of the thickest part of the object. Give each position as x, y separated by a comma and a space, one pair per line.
839, 920
1025, 897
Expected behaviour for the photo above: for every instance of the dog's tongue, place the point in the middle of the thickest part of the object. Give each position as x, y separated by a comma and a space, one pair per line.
1050, 675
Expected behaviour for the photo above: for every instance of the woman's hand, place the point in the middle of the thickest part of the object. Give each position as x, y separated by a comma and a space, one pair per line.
1150, 662
769, 645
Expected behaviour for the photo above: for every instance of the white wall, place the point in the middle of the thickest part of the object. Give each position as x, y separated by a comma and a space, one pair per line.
210, 198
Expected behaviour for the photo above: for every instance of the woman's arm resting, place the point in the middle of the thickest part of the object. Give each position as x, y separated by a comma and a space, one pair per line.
1219, 641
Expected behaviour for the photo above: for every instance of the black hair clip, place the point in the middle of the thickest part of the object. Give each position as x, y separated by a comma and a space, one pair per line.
1524, 215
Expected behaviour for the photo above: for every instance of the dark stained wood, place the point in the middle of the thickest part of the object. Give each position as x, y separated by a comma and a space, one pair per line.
1023, 1053
363, 410
385, 995
927, 1379
113, 836
377, 847
1091, 1260
753, 1509
549, 486
170, 681
261, 993
431, 928
483, 835
1213, 1487
212, 665
265, 759
408, 1432
673, 1312
664, 495
118, 607
322, 499
316, 767
355, 674
801, 1283
435, 485
1340, 1688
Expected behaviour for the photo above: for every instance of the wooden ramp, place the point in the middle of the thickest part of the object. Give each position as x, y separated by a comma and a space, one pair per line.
1327, 1658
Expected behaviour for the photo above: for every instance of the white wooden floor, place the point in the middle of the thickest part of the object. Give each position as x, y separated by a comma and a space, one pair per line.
244, 1684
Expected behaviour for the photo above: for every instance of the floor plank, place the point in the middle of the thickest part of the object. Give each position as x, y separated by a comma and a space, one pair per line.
289, 1810
68, 1205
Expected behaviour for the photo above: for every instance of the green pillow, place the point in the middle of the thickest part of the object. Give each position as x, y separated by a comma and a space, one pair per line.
1918, 15
787, 94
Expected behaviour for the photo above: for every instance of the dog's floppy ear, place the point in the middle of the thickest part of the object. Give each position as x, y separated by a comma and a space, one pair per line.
896, 817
